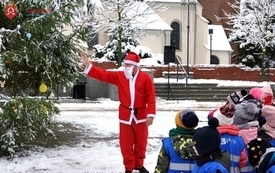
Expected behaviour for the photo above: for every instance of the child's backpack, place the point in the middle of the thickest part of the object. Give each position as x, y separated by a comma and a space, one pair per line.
256, 148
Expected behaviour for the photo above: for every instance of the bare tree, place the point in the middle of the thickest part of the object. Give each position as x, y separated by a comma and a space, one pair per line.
128, 18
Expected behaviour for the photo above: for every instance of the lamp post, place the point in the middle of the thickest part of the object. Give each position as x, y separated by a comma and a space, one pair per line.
210, 31
187, 47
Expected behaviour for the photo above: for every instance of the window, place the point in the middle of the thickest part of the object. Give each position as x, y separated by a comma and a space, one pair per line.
175, 35
214, 60
93, 39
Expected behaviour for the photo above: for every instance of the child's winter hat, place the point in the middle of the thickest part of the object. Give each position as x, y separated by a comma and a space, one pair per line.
267, 95
256, 93
245, 112
269, 113
187, 119
207, 139
225, 114
236, 96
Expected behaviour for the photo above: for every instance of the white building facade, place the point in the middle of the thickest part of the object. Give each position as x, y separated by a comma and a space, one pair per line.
188, 32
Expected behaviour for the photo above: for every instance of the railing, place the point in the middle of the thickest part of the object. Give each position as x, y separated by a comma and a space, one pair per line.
179, 63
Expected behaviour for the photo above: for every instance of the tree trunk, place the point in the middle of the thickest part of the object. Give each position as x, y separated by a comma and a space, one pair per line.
263, 65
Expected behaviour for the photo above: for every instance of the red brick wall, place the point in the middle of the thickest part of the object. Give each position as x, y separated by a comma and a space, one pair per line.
230, 72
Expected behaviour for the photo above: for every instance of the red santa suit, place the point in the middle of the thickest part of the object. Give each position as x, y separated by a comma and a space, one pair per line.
137, 102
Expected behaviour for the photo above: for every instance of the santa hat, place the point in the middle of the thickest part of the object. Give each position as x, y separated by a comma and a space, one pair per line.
225, 114
256, 93
132, 58
267, 95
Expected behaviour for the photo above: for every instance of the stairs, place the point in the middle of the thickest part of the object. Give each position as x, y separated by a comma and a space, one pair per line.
199, 92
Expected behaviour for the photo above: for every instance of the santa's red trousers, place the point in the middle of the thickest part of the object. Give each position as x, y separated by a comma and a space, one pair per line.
133, 143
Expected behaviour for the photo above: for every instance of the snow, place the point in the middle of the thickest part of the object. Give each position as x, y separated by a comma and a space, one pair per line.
98, 149
219, 39
252, 23
100, 152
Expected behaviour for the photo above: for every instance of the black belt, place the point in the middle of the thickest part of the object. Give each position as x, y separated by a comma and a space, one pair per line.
134, 109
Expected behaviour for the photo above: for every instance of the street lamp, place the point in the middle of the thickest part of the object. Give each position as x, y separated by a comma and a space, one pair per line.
210, 31
187, 47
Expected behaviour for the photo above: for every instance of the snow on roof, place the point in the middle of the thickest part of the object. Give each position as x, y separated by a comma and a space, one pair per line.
152, 21
219, 39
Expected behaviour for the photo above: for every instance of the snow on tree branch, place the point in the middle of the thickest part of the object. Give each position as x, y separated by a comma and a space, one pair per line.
253, 23
5, 32
131, 16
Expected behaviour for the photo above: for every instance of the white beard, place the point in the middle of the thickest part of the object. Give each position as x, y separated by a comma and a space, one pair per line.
128, 72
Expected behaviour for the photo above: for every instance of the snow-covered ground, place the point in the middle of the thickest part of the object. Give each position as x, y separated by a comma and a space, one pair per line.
97, 149
100, 151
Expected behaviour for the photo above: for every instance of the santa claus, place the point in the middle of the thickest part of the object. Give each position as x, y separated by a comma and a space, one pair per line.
137, 107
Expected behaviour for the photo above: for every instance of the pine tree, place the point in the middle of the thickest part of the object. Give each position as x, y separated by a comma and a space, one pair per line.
35, 57
111, 49
253, 29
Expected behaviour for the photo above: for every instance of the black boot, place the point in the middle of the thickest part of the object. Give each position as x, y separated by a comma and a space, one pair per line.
128, 171
142, 170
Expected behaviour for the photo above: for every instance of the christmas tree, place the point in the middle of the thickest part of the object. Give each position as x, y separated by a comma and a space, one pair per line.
35, 57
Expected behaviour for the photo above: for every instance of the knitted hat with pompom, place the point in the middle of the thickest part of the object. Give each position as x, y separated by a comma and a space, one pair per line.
186, 119
207, 139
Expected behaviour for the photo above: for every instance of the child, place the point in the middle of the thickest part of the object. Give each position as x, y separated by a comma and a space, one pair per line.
231, 141
210, 158
176, 154
267, 162
245, 119
267, 95
265, 138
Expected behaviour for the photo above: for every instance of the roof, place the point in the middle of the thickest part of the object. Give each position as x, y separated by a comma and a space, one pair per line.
219, 39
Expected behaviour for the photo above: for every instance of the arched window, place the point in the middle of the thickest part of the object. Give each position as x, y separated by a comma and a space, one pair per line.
214, 60
175, 35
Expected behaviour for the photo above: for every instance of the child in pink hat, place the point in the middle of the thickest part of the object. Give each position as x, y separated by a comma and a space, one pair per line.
267, 95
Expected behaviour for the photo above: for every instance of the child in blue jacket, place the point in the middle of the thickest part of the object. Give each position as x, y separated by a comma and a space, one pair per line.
210, 158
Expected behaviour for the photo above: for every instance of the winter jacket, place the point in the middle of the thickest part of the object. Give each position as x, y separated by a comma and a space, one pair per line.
248, 134
218, 162
136, 96
234, 144
176, 155
267, 161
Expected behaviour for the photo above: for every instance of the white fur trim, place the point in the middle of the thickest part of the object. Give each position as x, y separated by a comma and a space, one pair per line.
130, 62
87, 69
151, 115
223, 120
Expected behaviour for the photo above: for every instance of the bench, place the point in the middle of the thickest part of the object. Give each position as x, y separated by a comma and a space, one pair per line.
174, 74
